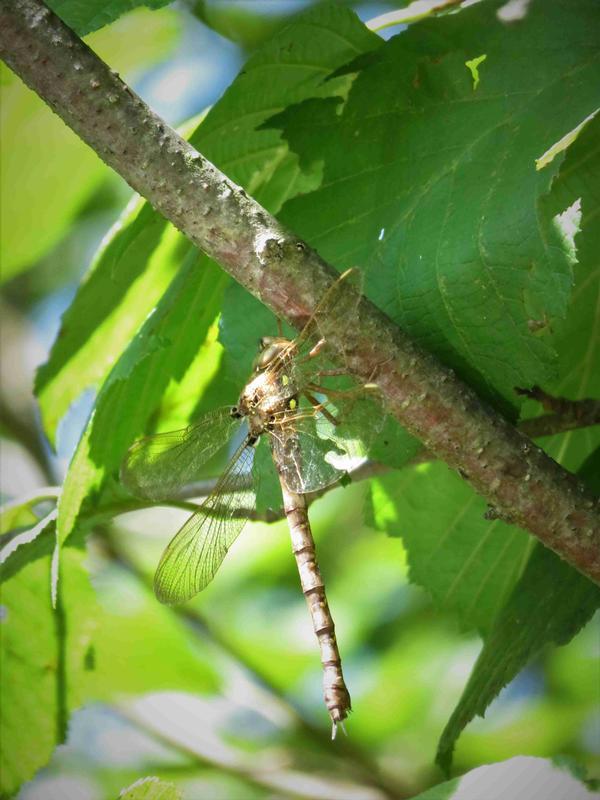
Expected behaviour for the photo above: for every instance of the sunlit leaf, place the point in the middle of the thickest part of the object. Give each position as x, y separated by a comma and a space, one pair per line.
468, 565
151, 789
129, 276
85, 16
27, 536
40, 196
37, 202
20, 512
139, 646
44, 676
162, 351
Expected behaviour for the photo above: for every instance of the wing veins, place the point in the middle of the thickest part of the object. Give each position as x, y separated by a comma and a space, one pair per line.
193, 556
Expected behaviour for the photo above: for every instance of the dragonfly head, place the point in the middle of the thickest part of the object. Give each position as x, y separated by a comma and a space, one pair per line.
270, 348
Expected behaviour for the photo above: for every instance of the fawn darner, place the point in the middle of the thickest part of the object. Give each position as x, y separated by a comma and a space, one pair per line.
314, 419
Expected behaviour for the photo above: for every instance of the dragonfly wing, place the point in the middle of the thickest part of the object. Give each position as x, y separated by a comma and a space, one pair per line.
313, 447
360, 417
336, 310
158, 466
302, 457
196, 552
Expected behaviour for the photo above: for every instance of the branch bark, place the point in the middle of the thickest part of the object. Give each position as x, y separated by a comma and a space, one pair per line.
517, 478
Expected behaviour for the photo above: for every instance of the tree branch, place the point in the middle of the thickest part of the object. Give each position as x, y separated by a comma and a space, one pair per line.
515, 476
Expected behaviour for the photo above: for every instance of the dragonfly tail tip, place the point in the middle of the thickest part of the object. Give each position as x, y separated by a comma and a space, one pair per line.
334, 728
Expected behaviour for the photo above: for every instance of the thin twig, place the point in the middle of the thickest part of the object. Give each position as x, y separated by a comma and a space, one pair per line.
563, 414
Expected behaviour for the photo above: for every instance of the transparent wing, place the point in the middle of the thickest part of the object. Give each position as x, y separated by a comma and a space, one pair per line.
315, 446
301, 456
158, 466
336, 311
196, 552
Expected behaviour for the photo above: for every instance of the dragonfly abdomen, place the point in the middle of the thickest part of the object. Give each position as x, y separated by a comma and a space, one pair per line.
336, 695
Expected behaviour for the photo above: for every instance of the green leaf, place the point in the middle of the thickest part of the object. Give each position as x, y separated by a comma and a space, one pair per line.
246, 24
151, 789
443, 791
295, 64
578, 340
520, 777
85, 16
83, 650
28, 535
35, 189
467, 564
162, 351
550, 603
37, 203
432, 188
19, 513
129, 276
44, 676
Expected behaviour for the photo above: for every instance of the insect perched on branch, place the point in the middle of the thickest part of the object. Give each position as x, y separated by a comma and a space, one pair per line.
315, 417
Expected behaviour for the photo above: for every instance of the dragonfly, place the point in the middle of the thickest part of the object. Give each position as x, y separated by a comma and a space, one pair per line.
315, 418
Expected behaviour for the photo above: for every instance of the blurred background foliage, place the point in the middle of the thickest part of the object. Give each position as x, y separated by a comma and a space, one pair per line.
223, 697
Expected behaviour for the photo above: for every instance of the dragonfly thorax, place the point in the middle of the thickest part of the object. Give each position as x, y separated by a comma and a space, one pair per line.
271, 348
271, 389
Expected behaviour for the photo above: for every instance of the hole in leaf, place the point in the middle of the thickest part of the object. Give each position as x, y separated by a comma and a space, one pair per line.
473, 66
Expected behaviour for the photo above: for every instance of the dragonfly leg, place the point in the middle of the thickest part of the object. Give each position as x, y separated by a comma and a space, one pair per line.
317, 348
313, 352
358, 390
332, 373
321, 408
